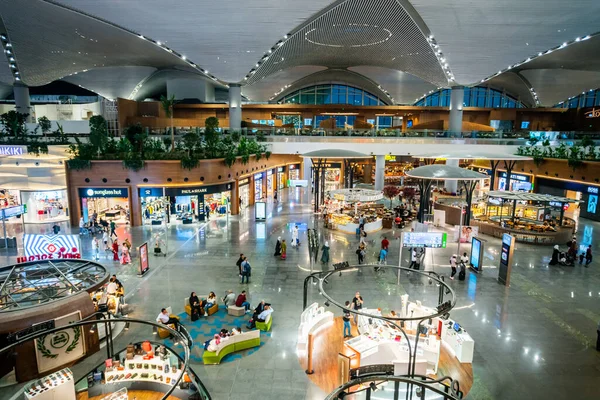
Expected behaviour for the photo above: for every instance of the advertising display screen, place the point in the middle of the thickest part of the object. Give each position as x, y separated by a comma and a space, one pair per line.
144, 264
49, 247
297, 183
592, 203
260, 210
476, 254
436, 240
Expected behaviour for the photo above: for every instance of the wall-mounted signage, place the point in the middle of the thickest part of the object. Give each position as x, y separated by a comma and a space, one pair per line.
331, 165
280, 169
243, 182
293, 166
517, 177
258, 176
104, 192
49, 247
595, 113
14, 211
592, 189
185, 191
11, 151
425, 239
270, 172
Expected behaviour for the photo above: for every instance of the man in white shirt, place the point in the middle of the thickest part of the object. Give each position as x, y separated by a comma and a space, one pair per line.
111, 289
262, 317
164, 318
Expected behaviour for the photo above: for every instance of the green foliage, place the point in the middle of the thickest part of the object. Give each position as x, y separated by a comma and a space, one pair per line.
45, 125
134, 163
189, 163
37, 148
586, 141
124, 147
211, 136
167, 104
561, 151
98, 132
230, 159
267, 154
78, 164
191, 141
260, 136
235, 136
13, 123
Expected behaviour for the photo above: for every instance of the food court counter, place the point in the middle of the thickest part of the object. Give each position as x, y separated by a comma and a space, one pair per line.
346, 223
524, 235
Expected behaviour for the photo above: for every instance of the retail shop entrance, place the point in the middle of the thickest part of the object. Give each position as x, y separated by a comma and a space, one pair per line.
110, 204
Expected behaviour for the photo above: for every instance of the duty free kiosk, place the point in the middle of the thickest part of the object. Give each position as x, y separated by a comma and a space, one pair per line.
311, 320
381, 343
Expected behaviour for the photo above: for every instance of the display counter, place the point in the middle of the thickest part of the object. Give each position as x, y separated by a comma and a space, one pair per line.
311, 320
526, 233
351, 227
56, 386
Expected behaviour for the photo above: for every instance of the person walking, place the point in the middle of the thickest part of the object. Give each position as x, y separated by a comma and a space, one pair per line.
588, 256
325, 255
346, 319
125, 258
246, 270
357, 304
295, 236
81, 226
113, 227
96, 248
413, 259
239, 264
275, 196
283, 249
105, 241
115, 250
385, 243
453, 266
360, 252
278, 247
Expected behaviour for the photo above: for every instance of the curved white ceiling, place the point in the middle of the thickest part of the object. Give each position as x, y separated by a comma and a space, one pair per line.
481, 37
111, 82
355, 32
556, 85
225, 37
276, 83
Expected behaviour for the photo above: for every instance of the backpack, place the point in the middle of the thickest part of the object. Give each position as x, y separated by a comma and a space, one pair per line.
461, 275
246, 268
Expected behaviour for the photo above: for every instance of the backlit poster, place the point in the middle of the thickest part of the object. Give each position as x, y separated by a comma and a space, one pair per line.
592, 203
144, 264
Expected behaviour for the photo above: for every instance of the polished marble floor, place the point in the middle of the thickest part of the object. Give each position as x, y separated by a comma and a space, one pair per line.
533, 340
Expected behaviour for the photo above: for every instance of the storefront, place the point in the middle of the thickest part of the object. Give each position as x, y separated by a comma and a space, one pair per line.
9, 198
259, 193
333, 172
518, 182
244, 191
109, 204
184, 205
280, 178
271, 176
588, 194
293, 172
45, 206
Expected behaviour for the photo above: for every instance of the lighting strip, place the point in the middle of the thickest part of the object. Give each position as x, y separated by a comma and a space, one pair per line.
572, 97
540, 54
10, 56
440, 57
428, 93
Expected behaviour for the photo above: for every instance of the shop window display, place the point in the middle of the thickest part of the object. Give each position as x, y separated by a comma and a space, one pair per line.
154, 210
258, 187
45, 206
9, 198
107, 208
244, 191
217, 204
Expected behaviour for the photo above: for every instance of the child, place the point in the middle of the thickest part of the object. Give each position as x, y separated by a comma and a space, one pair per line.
346, 319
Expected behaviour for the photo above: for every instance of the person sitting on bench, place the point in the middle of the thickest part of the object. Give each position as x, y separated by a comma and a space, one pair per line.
164, 318
262, 317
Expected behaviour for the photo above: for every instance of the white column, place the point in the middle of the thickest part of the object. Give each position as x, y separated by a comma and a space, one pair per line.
306, 175
235, 106
379, 172
451, 186
22, 101
457, 96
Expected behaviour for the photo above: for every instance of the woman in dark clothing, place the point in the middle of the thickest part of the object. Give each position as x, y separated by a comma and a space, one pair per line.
555, 256
195, 304
278, 247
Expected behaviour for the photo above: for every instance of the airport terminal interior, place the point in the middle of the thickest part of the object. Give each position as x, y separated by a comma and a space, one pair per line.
316, 200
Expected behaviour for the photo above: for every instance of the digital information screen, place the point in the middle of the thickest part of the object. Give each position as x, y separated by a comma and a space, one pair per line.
436, 240
144, 263
260, 210
476, 254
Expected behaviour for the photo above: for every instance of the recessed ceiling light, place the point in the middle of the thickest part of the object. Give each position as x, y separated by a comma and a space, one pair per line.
183, 57
159, 43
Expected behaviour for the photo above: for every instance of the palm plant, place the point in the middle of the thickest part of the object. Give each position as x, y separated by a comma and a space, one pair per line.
167, 104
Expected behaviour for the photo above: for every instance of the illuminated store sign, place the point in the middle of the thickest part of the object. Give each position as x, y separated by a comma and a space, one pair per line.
595, 113
11, 151
104, 192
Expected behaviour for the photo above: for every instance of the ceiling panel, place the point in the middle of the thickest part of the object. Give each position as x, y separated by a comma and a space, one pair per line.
404, 88
556, 85
225, 37
354, 32
514, 85
51, 42
481, 37
274, 84
111, 82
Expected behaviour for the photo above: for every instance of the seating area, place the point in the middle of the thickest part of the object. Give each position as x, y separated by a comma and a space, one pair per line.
242, 341
188, 308
265, 326
163, 333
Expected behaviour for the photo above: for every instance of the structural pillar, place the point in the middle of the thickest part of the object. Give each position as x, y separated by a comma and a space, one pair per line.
22, 101
457, 96
379, 172
452, 186
235, 106
307, 176
367, 174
